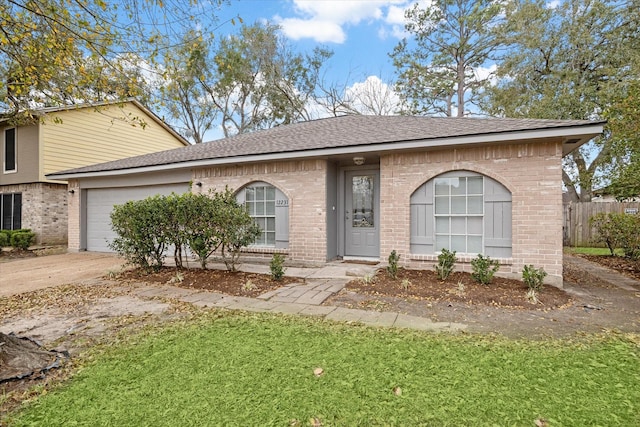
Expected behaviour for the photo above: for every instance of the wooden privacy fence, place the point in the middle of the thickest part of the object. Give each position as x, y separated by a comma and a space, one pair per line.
576, 228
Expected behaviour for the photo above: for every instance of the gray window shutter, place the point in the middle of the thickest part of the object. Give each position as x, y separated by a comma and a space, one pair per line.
422, 219
282, 220
497, 219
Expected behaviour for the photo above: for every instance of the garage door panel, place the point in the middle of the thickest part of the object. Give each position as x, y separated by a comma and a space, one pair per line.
100, 203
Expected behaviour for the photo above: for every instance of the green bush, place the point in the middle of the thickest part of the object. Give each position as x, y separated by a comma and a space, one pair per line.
22, 239
4, 239
205, 223
276, 266
483, 269
141, 232
618, 230
446, 264
533, 277
392, 268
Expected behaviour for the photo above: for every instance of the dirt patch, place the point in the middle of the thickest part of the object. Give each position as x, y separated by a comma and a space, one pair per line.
236, 283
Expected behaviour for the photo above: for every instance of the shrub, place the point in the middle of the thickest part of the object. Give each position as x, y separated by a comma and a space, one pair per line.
483, 269
392, 268
22, 239
276, 266
618, 230
4, 239
533, 277
446, 264
141, 232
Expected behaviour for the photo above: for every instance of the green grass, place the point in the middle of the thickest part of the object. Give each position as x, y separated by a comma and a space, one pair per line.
257, 369
592, 251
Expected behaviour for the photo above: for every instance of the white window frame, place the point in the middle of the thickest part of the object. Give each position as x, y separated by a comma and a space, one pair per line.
451, 216
15, 151
263, 211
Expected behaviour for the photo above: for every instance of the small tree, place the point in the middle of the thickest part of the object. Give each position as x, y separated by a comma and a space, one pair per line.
392, 268
446, 264
618, 230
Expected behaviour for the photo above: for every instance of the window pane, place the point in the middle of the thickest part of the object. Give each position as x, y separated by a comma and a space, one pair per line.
442, 186
259, 193
458, 225
459, 244
260, 222
475, 204
442, 242
474, 185
458, 186
260, 240
260, 208
251, 208
271, 193
442, 205
6, 212
362, 203
474, 244
271, 224
271, 238
250, 194
271, 208
10, 150
17, 211
474, 225
442, 224
458, 205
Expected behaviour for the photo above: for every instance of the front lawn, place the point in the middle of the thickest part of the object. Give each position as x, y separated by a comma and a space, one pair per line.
227, 368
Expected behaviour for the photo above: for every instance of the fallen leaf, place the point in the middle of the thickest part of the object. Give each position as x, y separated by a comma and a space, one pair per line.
318, 372
541, 422
315, 422
397, 391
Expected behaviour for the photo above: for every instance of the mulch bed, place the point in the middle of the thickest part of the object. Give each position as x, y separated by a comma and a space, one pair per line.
226, 282
460, 288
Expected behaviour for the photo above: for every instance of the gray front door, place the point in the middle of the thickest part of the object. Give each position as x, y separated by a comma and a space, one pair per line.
362, 213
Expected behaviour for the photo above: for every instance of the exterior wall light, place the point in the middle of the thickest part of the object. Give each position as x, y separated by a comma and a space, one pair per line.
358, 161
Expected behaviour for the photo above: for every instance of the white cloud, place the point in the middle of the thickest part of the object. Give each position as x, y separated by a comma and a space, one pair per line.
325, 21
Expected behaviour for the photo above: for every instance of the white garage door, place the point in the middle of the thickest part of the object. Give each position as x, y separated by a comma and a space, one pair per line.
100, 202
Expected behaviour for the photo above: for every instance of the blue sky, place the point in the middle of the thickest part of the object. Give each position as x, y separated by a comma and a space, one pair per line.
361, 33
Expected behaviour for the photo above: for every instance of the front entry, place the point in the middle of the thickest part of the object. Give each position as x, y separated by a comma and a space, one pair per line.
362, 213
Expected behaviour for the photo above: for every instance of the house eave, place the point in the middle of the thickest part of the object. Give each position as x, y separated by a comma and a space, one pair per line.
581, 133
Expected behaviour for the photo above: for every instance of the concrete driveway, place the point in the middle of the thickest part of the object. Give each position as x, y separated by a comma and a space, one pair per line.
29, 274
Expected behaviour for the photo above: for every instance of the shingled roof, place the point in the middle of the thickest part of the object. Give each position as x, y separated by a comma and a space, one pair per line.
350, 133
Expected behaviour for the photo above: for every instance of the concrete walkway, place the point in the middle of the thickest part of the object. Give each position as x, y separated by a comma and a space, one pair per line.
273, 303
606, 275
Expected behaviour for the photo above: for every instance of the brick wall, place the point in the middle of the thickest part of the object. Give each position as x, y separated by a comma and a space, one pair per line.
532, 172
303, 182
44, 210
73, 225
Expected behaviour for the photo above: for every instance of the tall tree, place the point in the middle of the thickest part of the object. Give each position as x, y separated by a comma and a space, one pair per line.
567, 62
59, 52
437, 67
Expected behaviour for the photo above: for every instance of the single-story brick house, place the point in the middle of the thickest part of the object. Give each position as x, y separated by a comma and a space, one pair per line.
362, 186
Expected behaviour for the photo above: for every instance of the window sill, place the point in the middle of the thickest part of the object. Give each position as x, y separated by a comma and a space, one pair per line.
263, 250
459, 258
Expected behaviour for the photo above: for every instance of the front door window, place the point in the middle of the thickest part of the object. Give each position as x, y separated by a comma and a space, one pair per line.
362, 187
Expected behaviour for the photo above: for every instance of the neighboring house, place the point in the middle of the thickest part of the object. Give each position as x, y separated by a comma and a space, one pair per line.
361, 186
63, 138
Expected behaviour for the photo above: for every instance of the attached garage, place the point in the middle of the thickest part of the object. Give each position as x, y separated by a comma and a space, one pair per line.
100, 203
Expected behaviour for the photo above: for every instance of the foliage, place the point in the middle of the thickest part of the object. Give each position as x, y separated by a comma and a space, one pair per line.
437, 69
483, 268
249, 81
141, 233
22, 238
446, 263
62, 52
203, 224
276, 266
262, 361
4, 239
533, 277
572, 61
618, 230
392, 268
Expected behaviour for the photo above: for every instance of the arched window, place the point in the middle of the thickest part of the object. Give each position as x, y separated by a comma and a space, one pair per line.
269, 207
461, 211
